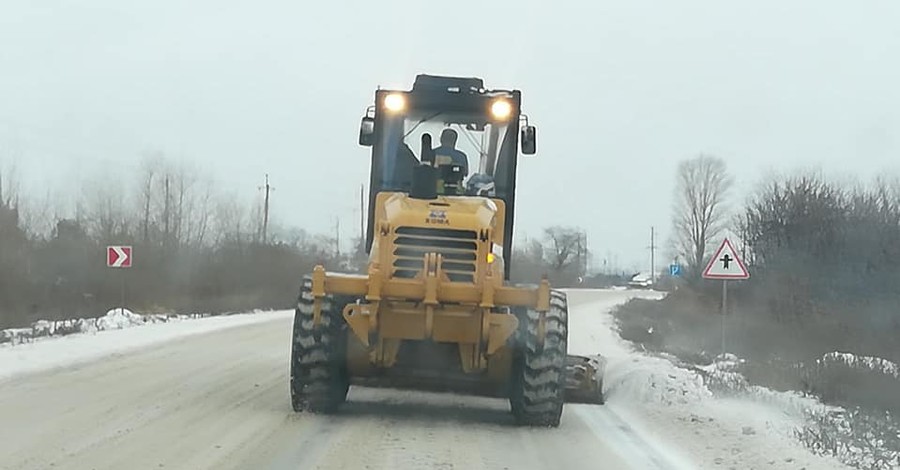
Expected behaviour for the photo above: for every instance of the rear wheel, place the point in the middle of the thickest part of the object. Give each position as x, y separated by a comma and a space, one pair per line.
319, 381
538, 383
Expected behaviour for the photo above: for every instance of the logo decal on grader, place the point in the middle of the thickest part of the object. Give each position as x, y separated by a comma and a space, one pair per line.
437, 217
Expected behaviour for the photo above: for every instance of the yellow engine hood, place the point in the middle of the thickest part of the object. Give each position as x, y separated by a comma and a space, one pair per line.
453, 212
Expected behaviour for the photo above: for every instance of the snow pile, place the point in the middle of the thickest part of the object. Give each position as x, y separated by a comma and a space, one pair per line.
118, 319
682, 405
868, 363
115, 319
73, 349
855, 438
750, 427
651, 380
14, 335
723, 375
665, 380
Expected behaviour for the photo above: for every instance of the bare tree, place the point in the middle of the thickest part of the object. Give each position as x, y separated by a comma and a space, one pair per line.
175, 202
199, 213
107, 214
148, 172
38, 215
232, 222
9, 186
699, 207
566, 248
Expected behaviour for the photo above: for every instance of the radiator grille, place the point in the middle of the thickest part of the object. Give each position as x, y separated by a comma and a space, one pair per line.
458, 249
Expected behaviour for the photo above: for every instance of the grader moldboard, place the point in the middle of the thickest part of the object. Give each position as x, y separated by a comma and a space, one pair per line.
435, 310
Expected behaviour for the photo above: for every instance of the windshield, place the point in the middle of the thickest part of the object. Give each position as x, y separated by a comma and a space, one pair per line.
481, 148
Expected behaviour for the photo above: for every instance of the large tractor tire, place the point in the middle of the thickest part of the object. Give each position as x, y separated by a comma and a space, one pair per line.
319, 380
539, 371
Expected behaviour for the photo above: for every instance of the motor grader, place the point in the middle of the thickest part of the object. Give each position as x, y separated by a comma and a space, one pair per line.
434, 309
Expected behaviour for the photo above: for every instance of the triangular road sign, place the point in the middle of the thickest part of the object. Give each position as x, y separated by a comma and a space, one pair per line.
726, 264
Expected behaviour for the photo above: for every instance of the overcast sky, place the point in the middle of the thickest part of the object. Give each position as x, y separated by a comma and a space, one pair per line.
620, 92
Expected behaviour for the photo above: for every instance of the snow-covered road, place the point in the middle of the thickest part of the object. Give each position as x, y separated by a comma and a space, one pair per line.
219, 399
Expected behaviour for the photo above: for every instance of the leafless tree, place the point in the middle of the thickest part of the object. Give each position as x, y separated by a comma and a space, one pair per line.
175, 204
231, 222
565, 248
701, 188
106, 211
199, 213
149, 170
39, 214
9, 186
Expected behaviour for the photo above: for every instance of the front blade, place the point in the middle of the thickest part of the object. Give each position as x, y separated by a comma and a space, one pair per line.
584, 379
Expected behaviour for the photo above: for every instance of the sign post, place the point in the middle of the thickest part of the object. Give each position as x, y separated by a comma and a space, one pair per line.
119, 256
674, 269
725, 265
724, 310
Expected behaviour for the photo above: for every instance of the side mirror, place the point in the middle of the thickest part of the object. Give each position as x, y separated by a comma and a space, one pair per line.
367, 131
529, 140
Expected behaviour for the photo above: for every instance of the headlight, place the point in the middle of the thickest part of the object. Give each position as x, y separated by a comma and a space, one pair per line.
501, 109
395, 102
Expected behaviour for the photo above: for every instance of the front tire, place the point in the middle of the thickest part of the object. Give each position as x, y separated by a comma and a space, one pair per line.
539, 372
319, 380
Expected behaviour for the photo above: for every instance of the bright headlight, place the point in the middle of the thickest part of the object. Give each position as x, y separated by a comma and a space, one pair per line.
501, 109
395, 102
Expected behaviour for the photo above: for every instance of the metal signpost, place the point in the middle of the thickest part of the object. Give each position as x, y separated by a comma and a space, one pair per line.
725, 265
119, 256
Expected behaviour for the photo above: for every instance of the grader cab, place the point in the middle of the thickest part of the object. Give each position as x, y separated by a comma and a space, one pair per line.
435, 310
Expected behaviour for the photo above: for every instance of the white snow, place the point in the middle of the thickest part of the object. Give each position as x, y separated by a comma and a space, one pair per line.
114, 333
672, 405
118, 319
871, 363
115, 319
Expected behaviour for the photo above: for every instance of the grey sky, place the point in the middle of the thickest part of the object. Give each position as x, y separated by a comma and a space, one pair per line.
620, 93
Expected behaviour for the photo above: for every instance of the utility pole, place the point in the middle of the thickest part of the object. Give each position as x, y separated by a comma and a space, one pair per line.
265, 227
337, 238
653, 255
584, 253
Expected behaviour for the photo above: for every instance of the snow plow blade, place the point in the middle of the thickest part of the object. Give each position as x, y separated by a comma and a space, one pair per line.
584, 379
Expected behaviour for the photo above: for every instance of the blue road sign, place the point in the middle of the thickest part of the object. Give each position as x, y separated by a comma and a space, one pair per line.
674, 270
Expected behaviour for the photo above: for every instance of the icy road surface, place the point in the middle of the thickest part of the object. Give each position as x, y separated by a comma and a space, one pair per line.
219, 400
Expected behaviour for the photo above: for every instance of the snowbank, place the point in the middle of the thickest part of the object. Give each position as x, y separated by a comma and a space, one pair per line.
720, 400
673, 403
118, 331
869, 363
115, 319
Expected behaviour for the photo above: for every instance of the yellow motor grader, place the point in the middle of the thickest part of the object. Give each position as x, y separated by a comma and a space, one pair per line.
435, 310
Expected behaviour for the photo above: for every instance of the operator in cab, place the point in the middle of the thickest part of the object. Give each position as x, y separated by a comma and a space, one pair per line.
448, 154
